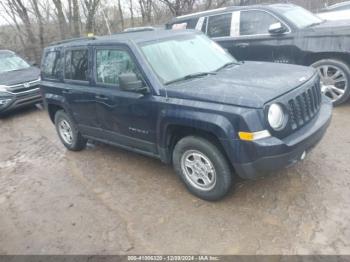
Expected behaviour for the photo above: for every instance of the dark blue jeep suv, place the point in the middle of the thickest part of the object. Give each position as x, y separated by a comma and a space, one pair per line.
179, 97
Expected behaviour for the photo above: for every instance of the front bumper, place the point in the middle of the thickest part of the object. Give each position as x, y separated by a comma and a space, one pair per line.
22, 99
273, 154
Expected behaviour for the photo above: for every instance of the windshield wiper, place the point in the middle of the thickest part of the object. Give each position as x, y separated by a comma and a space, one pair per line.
190, 76
227, 65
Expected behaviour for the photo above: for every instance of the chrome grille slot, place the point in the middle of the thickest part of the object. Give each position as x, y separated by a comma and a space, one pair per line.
304, 106
21, 89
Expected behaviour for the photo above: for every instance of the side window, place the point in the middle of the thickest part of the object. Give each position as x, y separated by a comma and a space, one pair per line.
256, 22
51, 67
111, 63
219, 25
191, 23
76, 64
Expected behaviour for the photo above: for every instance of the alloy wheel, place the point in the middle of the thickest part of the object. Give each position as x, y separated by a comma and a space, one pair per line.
334, 82
65, 131
198, 170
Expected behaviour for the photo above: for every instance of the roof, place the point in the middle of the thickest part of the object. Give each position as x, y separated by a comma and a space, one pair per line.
125, 37
228, 9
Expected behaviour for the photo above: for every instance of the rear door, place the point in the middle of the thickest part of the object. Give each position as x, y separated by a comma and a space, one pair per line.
79, 93
218, 27
127, 118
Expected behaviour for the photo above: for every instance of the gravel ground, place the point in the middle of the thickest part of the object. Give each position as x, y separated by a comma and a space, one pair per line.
105, 200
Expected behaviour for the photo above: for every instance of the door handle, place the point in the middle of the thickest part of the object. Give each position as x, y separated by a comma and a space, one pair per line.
242, 45
101, 97
67, 91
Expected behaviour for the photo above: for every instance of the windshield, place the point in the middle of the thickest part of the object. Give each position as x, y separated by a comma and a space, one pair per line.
299, 16
10, 62
176, 58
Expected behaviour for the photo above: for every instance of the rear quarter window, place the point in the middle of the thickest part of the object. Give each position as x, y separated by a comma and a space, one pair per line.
51, 67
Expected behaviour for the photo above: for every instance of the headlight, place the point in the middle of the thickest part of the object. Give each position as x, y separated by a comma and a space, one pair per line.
5, 98
276, 117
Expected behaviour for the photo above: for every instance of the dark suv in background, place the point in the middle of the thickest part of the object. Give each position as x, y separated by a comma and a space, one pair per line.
282, 33
181, 98
19, 82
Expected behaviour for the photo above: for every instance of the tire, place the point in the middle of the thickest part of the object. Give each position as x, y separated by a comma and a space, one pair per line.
63, 123
328, 68
201, 151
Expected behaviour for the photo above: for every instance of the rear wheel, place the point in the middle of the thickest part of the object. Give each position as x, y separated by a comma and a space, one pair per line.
335, 79
68, 133
202, 167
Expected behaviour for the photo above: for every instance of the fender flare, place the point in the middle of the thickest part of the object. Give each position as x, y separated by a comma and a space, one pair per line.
211, 123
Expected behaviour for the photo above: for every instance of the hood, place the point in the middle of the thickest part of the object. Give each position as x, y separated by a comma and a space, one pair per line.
251, 84
19, 76
330, 28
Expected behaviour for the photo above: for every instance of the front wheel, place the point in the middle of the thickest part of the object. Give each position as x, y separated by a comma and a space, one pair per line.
202, 167
335, 79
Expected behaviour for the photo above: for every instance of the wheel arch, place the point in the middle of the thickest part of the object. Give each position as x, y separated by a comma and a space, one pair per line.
314, 57
174, 132
52, 110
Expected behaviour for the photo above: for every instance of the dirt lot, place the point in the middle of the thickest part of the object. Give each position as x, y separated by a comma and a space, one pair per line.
104, 200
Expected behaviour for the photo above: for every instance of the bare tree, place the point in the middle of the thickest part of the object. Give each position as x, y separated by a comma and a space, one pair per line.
131, 13
146, 11
39, 18
76, 19
18, 9
121, 14
179, 7
91, 7
14, 24
62, 23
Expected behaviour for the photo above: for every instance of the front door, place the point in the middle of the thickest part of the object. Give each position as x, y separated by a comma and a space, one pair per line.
126, 118
253, 42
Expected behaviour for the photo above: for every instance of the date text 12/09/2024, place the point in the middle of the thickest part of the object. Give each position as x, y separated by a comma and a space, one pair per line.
173, 258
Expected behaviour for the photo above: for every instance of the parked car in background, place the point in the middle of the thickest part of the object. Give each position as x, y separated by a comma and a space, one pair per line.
282, 33
340, 11
19, 82
181, 98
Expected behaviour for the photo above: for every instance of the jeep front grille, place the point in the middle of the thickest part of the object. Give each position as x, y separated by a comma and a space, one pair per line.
305, 106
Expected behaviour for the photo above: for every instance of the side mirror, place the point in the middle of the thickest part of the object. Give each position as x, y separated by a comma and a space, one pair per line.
277, 28
130, 82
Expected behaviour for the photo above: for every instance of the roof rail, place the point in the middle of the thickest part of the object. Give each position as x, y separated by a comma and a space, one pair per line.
138, 29
203, 12
73, 40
